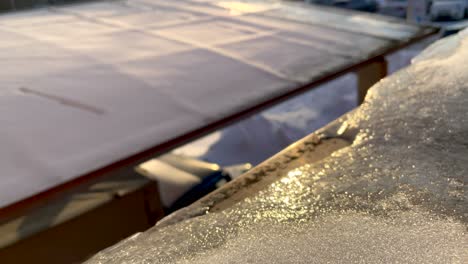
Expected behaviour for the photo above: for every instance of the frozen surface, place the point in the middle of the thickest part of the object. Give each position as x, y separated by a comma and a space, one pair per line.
135, 74
396, 195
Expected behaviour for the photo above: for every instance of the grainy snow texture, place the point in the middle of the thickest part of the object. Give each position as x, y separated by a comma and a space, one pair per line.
396, 195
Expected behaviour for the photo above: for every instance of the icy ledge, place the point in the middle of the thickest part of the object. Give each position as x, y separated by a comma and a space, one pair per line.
396, 195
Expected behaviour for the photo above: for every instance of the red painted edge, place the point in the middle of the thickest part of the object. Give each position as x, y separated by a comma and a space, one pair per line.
43, 196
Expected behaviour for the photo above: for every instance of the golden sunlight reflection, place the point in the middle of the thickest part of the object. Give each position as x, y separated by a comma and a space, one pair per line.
239, 8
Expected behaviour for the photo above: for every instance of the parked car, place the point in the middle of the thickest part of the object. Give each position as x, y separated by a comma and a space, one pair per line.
361, 5
452, 9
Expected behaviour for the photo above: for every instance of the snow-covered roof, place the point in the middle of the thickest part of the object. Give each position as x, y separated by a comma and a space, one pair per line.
84, 86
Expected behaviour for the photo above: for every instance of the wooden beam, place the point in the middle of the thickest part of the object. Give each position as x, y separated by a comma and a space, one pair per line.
369, 74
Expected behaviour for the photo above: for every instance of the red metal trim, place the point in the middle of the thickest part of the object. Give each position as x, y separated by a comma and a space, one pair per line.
168, 145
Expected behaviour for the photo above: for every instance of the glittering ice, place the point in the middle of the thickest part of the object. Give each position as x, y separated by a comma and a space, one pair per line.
396, 195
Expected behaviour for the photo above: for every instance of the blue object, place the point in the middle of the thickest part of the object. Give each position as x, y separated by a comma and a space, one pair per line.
208, 184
